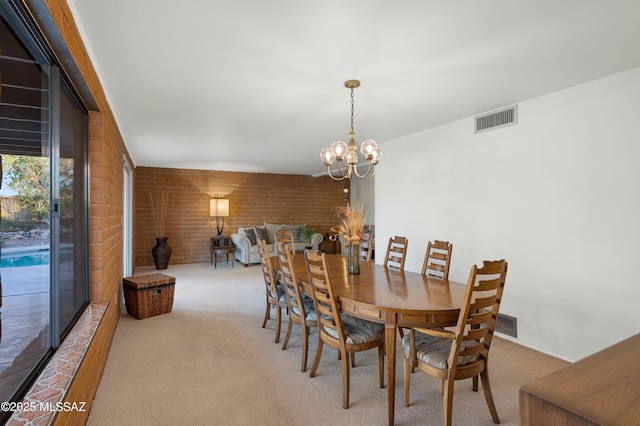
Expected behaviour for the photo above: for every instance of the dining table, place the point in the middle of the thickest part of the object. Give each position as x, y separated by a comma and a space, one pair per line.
391, 297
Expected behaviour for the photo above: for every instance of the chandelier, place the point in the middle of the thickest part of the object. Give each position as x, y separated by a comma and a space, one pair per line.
346, 156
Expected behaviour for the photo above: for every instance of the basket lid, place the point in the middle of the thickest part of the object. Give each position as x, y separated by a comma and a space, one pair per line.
148, 280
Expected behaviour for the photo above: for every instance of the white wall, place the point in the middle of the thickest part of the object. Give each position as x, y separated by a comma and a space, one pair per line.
363, 191
556, 195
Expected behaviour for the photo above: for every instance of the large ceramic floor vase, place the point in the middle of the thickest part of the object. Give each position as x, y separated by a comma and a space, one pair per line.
161, 253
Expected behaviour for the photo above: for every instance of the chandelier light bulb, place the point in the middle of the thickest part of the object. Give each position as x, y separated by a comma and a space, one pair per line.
339, 148
368, 148
327, 156
375, 156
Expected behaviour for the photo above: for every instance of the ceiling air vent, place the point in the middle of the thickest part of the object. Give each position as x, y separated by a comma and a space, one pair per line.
496, 119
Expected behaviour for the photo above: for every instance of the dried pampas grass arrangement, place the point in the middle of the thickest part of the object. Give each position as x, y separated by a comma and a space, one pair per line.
352, 221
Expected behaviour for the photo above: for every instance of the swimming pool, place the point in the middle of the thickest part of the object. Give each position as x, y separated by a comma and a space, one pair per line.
33, 256
25, 258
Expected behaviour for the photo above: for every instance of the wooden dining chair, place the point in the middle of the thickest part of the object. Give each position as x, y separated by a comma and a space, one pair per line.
437, 259
436, 264
301, 308
367, 247
338, 330
286, 237
462, 352
396, 252
276, 297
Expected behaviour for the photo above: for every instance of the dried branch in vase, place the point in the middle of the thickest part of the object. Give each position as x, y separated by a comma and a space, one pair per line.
159, 201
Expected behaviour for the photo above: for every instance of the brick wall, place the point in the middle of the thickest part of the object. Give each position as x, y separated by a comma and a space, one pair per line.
254, 198
106, 152
106, 196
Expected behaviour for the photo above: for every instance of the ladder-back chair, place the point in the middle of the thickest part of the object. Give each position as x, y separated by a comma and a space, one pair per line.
301, 308
340, 331
396, 252
437, 259
276, 297
461, 352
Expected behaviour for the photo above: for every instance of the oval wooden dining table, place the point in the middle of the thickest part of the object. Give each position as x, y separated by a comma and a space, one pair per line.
392, 297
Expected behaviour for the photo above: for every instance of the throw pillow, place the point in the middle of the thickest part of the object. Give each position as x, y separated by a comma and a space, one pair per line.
272, 229
296, 232
261, 234
251, 234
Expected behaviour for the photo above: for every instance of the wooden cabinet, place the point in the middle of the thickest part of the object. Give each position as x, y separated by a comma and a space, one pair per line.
330, 246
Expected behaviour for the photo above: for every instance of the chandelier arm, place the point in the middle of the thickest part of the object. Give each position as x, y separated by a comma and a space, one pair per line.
372, 174
347, 172
343, 175
365, 175
335, 178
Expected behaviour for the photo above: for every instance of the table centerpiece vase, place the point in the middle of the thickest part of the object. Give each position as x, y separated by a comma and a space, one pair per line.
353, 258
352, 227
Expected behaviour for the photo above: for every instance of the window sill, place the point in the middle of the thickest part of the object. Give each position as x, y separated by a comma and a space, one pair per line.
47, 394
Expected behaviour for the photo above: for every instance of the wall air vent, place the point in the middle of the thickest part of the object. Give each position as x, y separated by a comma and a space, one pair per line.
507, 325
495, 119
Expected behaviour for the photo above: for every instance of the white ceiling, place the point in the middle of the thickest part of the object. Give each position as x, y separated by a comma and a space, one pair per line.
255, 85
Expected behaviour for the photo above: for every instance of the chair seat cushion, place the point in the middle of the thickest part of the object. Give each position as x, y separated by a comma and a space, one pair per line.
358, 331
308, 308
434, 351
282, 301
282, 297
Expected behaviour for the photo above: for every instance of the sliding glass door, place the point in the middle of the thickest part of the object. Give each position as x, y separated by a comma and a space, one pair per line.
24, 218
44, 279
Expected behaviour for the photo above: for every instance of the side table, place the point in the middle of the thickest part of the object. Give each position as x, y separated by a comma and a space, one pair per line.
221, 244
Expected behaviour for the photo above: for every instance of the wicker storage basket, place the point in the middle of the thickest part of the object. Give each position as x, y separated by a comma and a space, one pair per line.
148, 295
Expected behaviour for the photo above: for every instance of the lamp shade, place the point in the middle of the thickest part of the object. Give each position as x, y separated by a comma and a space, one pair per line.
219, 207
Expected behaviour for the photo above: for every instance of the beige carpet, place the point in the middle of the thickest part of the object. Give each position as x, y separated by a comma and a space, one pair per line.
208, 362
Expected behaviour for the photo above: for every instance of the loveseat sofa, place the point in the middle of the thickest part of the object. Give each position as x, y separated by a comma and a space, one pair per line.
246, 240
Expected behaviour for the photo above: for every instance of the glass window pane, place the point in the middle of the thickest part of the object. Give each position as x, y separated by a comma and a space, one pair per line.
24, 213
74, 292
